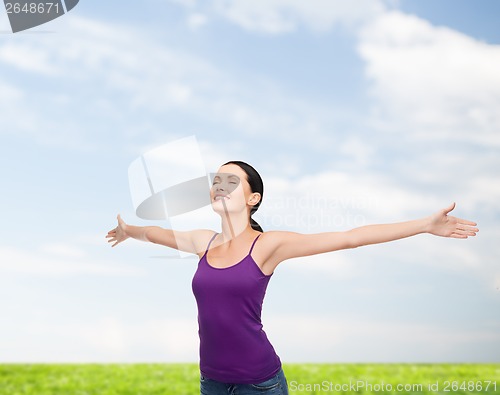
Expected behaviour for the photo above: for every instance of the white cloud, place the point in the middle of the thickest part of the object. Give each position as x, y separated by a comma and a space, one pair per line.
153, 79
359, 152
107, 339
9, 94
432, 82
196, 21
284, 16
32, 60
185, 3
58, 260
63, 250
334, 200
354, 338
337, 267
484, 190
87, 52
173, 339
108, 335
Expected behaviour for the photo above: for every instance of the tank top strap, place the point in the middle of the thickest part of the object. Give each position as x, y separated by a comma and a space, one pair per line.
210, 242
251, 248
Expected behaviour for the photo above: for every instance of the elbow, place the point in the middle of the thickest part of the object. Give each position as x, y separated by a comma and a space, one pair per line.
351, 241
352, 245
148, 235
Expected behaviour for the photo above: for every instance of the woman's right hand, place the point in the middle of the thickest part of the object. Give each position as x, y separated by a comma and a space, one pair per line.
119, 233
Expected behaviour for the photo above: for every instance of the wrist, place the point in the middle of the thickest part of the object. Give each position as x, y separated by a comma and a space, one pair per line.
127, 230
425, 224
137, 232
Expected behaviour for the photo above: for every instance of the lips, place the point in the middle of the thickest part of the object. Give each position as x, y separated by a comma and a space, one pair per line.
220, 197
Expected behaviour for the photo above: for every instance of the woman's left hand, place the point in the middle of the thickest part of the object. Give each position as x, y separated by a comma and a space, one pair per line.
442, 224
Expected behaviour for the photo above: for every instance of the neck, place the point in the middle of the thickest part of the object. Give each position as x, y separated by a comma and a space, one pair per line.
234, 225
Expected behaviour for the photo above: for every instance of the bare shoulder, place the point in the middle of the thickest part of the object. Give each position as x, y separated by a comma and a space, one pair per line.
272, 239
267, 252
200, 239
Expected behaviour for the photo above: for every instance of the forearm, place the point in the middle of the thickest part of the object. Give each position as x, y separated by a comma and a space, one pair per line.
139, 232
382, 233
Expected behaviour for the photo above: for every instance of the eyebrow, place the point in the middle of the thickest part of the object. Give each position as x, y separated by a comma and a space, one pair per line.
230, 176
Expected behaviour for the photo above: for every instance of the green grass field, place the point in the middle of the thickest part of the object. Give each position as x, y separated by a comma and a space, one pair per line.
183, 379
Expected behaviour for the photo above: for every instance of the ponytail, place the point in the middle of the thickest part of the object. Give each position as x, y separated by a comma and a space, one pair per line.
255, 225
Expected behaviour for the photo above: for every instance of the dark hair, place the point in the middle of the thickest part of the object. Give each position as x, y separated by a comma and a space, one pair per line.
256, 185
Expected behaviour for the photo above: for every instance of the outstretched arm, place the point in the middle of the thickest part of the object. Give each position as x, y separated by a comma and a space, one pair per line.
180, 240
438, 224
290, 244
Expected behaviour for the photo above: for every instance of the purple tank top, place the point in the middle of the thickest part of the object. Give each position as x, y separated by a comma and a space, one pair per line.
233, 346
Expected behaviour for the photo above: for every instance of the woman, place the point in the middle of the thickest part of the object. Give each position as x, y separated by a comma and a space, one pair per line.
234, 270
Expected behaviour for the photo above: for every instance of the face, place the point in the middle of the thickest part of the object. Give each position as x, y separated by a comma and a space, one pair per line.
230, 190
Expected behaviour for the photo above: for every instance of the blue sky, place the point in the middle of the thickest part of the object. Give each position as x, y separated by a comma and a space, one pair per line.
354, 113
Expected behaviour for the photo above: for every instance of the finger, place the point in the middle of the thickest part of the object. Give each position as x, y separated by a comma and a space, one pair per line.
468, 228
458, 236
463, 226
449, 208
465, 222
465, 232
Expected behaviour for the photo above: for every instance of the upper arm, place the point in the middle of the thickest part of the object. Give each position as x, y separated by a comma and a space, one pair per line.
193, 241
288, 245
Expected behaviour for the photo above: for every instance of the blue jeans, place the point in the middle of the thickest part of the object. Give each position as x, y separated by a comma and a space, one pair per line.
276, 385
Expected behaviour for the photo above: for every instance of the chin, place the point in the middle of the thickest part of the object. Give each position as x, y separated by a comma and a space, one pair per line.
217, 206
